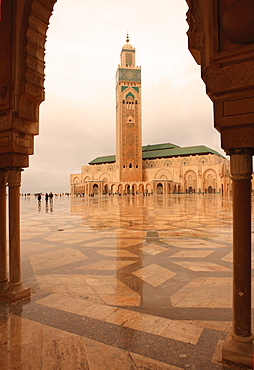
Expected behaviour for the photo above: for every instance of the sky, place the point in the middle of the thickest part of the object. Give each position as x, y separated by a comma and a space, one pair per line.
77, 118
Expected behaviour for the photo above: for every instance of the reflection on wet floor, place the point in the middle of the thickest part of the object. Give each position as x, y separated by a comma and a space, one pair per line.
144, 282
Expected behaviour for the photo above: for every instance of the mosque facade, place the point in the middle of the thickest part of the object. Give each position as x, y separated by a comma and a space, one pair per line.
160, 168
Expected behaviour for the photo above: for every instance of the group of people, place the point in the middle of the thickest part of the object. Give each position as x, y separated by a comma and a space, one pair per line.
48, 197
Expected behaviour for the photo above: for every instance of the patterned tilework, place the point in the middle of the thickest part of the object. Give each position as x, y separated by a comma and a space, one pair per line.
144, 282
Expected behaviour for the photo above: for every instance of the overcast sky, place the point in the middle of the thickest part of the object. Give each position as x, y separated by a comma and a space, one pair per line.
77, 119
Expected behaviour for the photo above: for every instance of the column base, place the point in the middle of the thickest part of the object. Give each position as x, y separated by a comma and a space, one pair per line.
3, 285
14, 294
240, 353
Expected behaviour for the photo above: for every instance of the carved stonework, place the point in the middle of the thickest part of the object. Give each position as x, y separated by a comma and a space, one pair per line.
241, 164
195, 33
14, 177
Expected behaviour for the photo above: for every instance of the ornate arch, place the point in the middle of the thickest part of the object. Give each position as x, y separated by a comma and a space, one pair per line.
210, 172
163, 174
188, 173
22, 77
87, 178
76, 180
105, 177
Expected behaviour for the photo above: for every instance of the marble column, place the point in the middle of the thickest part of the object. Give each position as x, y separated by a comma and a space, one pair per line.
16, 289
239, 346
3, 245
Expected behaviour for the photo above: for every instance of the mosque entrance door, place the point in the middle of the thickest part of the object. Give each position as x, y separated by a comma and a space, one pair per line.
95, 189
159, 188
210, 189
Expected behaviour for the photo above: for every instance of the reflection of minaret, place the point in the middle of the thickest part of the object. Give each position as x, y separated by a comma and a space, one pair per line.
130, 238
128, 117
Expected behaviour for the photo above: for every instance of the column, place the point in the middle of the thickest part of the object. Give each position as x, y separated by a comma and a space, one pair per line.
16, 289
241, 171
239, 347
3, 245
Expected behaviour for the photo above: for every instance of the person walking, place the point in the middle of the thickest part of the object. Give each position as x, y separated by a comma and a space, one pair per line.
46, 197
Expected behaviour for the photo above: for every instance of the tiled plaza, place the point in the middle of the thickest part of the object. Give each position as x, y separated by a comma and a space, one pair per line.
131, 282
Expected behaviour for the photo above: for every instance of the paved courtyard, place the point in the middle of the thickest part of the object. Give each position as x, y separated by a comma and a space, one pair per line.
131, 282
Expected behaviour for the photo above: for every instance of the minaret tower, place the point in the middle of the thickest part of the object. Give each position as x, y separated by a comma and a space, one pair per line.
128, 117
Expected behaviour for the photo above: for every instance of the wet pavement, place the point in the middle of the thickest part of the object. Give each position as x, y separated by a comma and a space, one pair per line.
131, 282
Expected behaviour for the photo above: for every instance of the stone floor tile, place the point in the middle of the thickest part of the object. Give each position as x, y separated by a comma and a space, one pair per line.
97, 311
101, 356
143, 362
102, 276
154, 274
182, 332
64, 354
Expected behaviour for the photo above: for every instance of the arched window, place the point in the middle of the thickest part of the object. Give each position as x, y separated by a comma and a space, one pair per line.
130, 165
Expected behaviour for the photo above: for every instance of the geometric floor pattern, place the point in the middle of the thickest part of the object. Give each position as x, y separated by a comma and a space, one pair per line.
127, 282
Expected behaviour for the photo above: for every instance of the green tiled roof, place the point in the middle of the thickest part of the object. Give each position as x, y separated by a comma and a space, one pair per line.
104, 159
162, 151
175, 152
148, 148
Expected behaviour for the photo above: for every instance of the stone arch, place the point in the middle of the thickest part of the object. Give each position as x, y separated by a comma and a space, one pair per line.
127, 189
106, 189
210, 181
28, 20
141, 188
87, 178
105, 177
163, 174
113, 188
120, 189
190, 181
76, 180
159, 188
210, 172
149, 188
95, 189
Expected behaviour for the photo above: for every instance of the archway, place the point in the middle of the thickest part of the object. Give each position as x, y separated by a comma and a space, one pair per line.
127, 189
95, 189
105, 189
159, 188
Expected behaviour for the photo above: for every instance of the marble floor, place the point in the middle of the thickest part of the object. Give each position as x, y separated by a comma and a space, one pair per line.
127, 282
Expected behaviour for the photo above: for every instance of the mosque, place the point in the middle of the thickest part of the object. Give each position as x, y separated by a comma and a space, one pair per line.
160, 168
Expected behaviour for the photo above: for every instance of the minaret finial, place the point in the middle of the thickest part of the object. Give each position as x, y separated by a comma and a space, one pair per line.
127, 38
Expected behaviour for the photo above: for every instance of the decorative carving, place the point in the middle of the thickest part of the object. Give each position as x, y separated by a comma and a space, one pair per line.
194, 16
196, 37
14, 177
241, 164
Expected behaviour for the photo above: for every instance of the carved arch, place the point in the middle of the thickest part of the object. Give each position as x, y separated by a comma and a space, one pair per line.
163, 174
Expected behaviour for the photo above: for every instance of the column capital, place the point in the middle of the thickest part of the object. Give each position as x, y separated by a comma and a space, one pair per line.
3, 178
241, 164
14, 177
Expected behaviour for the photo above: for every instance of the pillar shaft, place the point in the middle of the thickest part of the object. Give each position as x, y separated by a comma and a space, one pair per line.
241, 170
3, 245
14, 180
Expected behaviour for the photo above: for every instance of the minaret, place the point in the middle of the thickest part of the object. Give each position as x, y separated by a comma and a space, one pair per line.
128, 117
